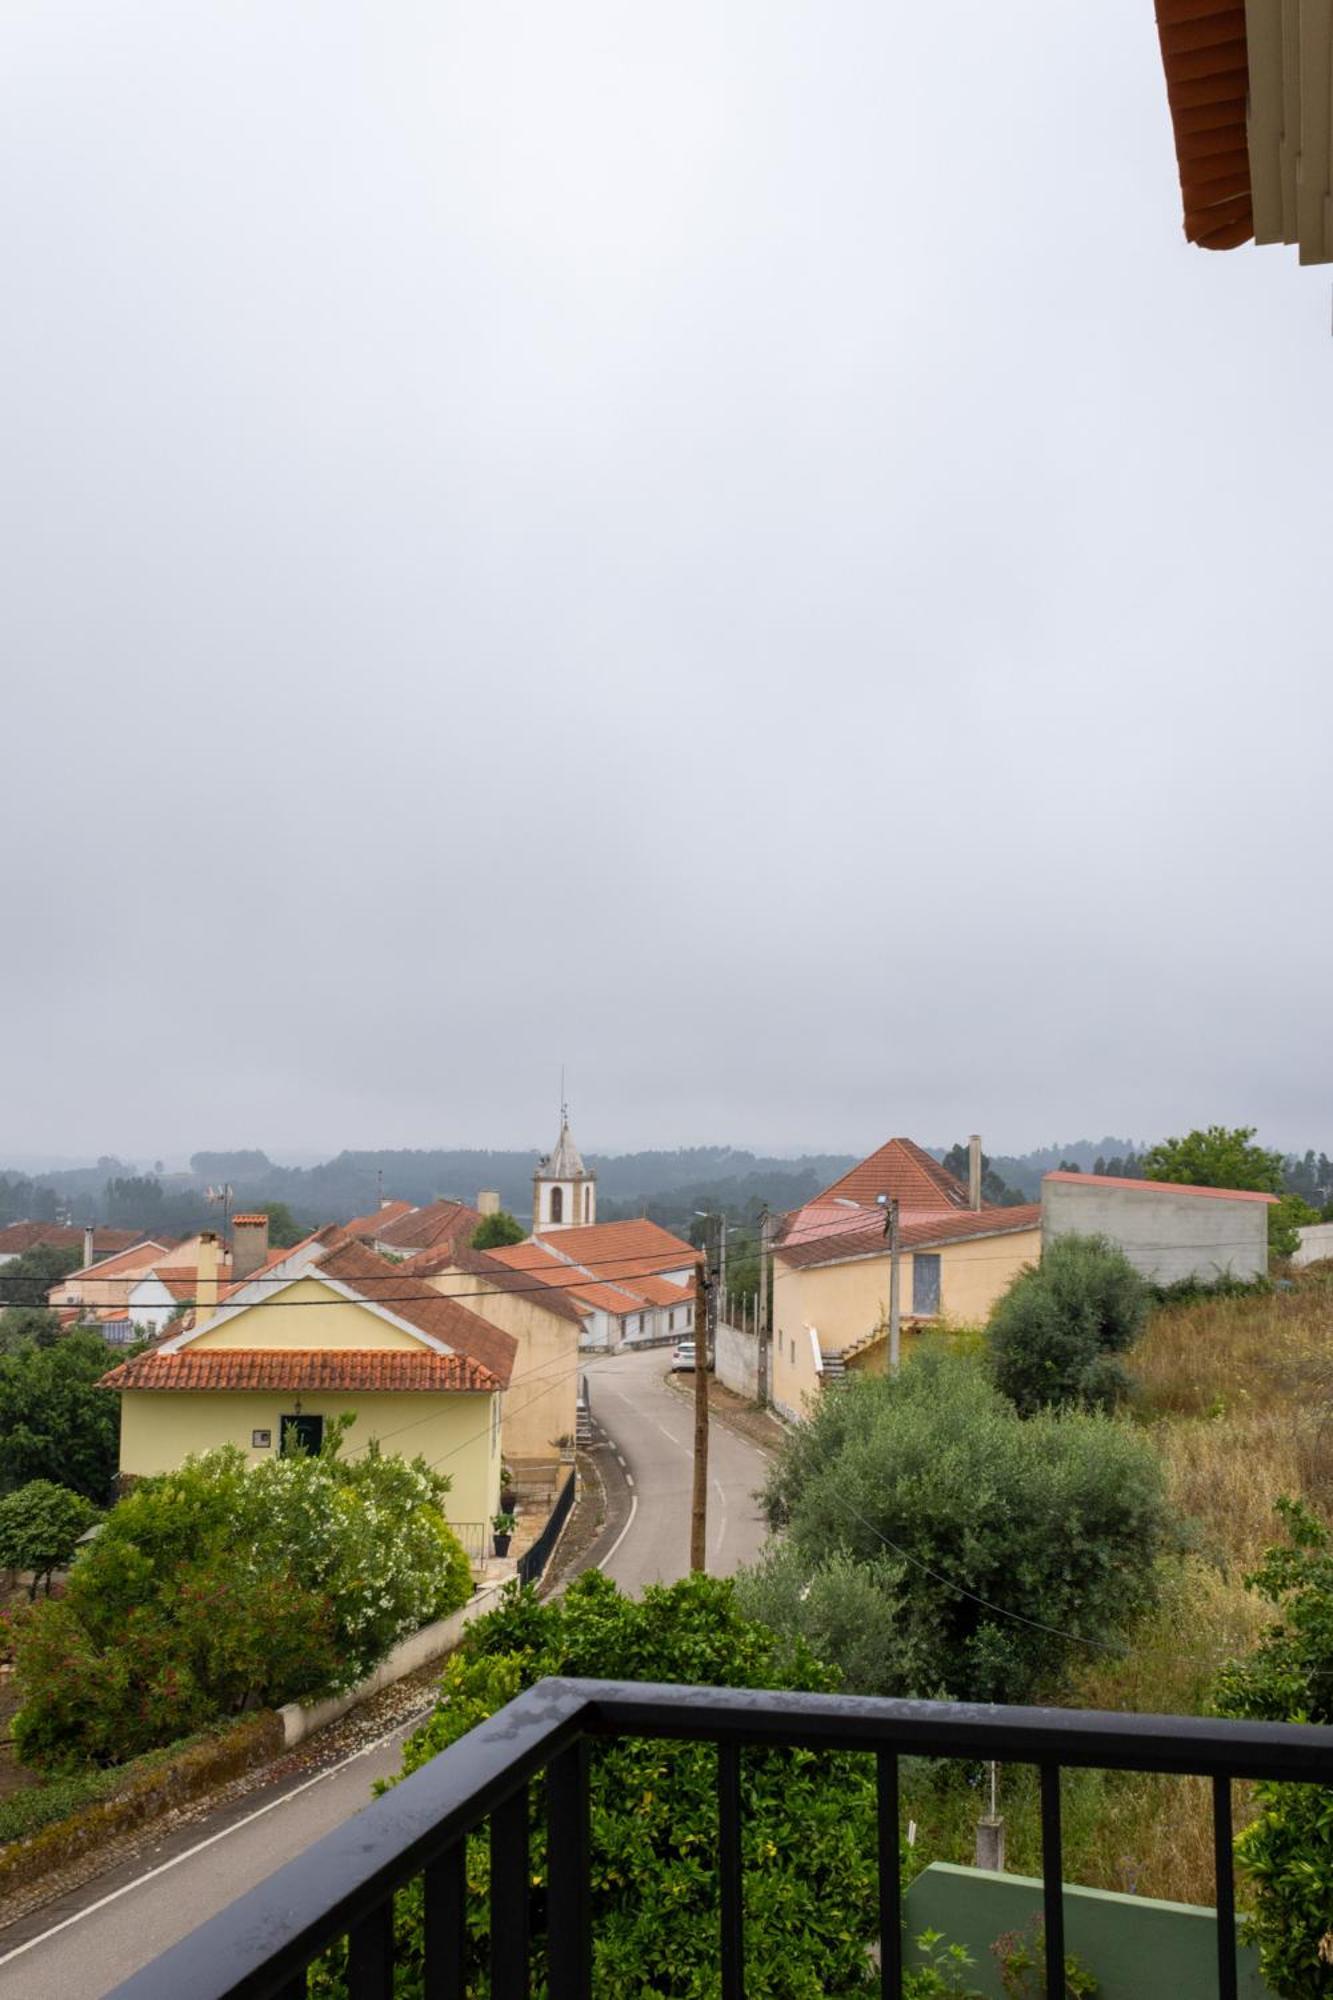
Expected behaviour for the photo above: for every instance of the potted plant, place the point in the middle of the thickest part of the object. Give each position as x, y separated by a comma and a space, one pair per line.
508, 1496
503, 1525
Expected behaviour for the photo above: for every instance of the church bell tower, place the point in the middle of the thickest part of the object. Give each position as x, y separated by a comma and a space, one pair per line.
564, 1191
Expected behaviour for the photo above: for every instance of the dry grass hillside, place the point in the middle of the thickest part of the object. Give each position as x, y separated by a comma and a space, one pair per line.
1237, 1395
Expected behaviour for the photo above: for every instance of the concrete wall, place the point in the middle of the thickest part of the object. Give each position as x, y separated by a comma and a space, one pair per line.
1166, 1232
539, 1404
1316, 1243
457, 1433
1139, 1949
736, 1355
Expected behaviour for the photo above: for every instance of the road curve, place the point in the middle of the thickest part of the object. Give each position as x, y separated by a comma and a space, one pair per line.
651, 1428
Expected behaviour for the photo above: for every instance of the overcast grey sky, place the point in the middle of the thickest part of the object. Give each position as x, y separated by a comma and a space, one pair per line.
733, 546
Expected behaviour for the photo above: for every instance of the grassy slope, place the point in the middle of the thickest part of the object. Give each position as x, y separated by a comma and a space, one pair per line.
1238, 1395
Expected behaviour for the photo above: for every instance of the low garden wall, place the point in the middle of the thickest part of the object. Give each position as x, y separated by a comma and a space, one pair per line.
1137, 1948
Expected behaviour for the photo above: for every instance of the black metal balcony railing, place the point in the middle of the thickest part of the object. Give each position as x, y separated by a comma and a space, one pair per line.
343, 1886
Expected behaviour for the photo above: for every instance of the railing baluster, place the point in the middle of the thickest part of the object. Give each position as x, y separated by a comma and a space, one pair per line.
569, 1859
1223, 1853
510, 1916
370, 1955
730, 1901
1052, 1881
890, 1877
445, 1892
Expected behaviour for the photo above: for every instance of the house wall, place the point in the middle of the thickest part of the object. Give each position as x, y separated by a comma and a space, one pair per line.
844, 1303
539, 1404
305, 1314
455, 1432
1166, 1233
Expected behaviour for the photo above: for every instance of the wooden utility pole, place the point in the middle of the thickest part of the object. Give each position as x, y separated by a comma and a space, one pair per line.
895, 1315
703, 1326
763, 1322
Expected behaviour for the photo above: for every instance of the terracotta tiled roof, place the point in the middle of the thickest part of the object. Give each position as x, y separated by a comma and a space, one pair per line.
900, 1169
179, 1281
125, 1263
371, 1225
918, 1232
413, 1300
1206, 59
294, 1253
256, 1219
615, 1250
435, 1227
485, 1265
21, 1236
1157, 1187
370, 1369
660, 1291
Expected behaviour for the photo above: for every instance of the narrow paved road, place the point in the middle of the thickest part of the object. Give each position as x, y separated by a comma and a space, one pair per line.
652, 1428
85, 1944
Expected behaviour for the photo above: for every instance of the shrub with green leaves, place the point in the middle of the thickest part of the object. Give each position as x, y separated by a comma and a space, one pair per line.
40, 1526
936, 1543
219, 1588
808, 1839
1287, 1852
1054, 1334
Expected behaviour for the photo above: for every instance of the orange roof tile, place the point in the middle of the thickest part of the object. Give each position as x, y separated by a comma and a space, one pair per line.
486, 1265
1205, 55
613, 1249
256, 1219
918, 1232
125, 1263
441, 1223
21, 1236
660, 1291
431, 1312
902, 1170
371, 1369
369, 1225
1159, 1187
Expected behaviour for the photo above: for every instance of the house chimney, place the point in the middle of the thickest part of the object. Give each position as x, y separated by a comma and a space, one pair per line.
488, 1202
249, 1244
206, 1278
89, 1245
974, 1171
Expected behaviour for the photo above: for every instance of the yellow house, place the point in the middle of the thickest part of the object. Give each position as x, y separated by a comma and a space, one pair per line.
540, 1403
316, 1332
831, 1267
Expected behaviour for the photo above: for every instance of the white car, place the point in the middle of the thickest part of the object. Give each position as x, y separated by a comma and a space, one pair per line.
682, 1357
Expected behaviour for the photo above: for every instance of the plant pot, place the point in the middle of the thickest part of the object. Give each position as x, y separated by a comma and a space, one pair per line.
509, 1501
502, 1544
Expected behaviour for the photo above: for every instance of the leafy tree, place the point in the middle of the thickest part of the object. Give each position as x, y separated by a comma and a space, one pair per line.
40, 1527
217, 1588
494, 1231
1288, 1850
283, 1228
808, 1846
55, 1423
1053, 1335
1220, 1156
26, 1280
20, 1324
994, 1191
22, 1200
1001, 1547
1226, 1157
134, 1201
1286, 1219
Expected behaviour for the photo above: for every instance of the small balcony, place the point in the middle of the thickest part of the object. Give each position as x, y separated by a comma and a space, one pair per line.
343, 1887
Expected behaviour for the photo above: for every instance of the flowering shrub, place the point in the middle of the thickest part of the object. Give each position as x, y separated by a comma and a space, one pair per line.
215, 1589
